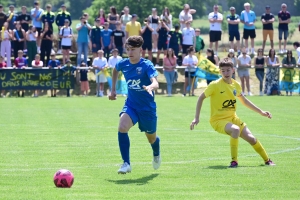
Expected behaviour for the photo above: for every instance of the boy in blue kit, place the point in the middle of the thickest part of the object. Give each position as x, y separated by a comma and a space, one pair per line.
106, 40
51, 64
140, 106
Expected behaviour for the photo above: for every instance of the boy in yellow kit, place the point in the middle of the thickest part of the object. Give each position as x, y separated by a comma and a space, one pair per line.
223, 93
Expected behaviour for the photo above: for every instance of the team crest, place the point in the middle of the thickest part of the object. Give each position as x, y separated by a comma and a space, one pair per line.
139, 70
234, 92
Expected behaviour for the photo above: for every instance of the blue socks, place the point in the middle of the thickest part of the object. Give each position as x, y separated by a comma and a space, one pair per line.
155, 147
124, 145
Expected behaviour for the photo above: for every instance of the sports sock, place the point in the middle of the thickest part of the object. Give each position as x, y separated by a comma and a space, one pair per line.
260, 150
124, 144
155, 147
234, 142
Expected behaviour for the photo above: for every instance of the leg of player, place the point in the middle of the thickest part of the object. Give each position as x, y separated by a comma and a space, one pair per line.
154, 141
257, 146
234, 131
124, 144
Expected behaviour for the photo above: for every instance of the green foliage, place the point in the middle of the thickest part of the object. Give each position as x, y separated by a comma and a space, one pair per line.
239, 5
297, 4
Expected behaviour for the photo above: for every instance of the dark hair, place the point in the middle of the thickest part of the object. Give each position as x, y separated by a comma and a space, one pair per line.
190, 49
297, 44
113, 10
226, 62
228, 55
103, 14
134, 41
260, 50
172, 53
164, 10
271, 51
212, 57
287, 57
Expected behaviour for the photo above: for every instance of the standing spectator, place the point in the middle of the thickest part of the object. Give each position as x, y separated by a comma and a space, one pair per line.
162, 31
37, 64
210, 55
147, 37
106, 40
84, 81
100, 64
167, 16
154, 18
36, 15
20, 63
190, 61
101, 17
289, 62
48, 16
11, 17
272, 75
297, 48
118, 38
112, 18
7, 36
113, 60
3, 17
215, 31
175, 41
96, 38
284, 18
233, 20
66, 35
18, 38
234, 61
52, 64
86, 16
70, 69
248, 18
244, 63
24, 18
60, 22
83, 39
169, 64
189, 38
199, 40
185, 16
2, 66
47, 40
259, 63
125, 18
31, 36
267, 19
133, 27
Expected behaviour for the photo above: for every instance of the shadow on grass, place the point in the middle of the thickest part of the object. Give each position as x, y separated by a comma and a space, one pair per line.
226, 167
139, 181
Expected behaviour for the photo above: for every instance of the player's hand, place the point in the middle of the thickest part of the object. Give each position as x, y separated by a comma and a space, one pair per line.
148, 89
194, 122
266, 114
112, 95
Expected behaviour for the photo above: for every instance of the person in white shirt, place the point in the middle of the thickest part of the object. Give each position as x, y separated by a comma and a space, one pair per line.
297, 48
190, 61
167, 16
244, 63
189, 38
99, 64
66, 34
185, 16
215, 31
114, 59
37, 63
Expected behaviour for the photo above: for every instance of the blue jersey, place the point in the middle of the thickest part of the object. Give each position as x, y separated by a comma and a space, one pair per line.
53, 63
136, 76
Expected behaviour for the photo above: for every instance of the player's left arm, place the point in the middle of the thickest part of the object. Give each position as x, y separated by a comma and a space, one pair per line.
153, 86
253, 107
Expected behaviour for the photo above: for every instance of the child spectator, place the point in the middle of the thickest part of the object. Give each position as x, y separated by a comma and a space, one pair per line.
96, 37
71, 69
147, 37
106, 40
162, 31
51, 64
20, 63
114, 59
2, 65
118, 38
66, 34
199, 41
99, 64
84, 82
37, 64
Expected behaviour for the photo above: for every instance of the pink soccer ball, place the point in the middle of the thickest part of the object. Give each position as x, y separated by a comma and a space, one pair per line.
63, 178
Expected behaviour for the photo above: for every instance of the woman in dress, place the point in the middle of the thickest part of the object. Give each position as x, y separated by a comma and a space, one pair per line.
272, 74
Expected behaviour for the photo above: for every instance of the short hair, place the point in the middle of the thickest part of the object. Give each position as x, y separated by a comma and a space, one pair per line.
48, 6
134, 42
283, 5
82, 64
23, 7
190, 49
226, 62
20, 51
100, 51
37, 55
246, 4
297, 44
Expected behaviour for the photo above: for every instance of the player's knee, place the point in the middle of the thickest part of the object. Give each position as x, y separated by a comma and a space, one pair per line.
235, 131
151, 140
123, 128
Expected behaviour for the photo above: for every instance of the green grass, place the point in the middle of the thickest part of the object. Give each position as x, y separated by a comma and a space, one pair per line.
40, 136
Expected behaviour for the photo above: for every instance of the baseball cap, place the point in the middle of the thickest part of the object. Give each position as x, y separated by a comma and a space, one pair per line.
176, 26
36, 2
231, 51
134, 15
268, 6
63, 5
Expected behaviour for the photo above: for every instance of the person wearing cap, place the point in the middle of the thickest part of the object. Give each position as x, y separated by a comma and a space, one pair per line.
99, 64
48, 16
176, 39
60, 22
118, 37
66, 35
83, 29
215, 31
248, 18
233, 20
95, 35
147, 37
140, 107
133, 28
3, 17
11, 17
267, 20
284, 18
199, 41
24, 18
68, 67
36, 15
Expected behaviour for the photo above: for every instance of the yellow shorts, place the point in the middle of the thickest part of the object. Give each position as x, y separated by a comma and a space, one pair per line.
220, 125
268, 32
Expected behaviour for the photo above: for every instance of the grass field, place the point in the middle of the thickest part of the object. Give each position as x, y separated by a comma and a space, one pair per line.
40, 136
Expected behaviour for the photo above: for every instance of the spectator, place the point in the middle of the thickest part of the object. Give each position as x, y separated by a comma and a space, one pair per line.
215, 31
234, 61
96, 37
169, 64
175, 41
259, 64
267, 19
37, 64
272, 75
167, 16
112, 18
297, 48
106, 40
199, 40
60, 22
289, 62
100, 64
284, 18
210, 55
83, 39
233, 20
66, 35
3, 17
189, 38
6, 36
84, 81
52, 64
48, 16
31, 36
2, 65
185, 16
114, 59
190, 61
133, 27
154, 24
147, 37
162, 31
20, 63
24, 18
244, 63
125, 18
11, 17
101, 17
18, 38
47, 40
86, 16
248, 18
118, 38
70, 69
36, 15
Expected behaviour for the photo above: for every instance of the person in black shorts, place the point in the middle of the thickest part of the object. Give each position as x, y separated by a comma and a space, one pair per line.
162, 43
147, 37
118, 38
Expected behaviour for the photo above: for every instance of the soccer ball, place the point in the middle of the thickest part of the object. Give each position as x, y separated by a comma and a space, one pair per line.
63, 178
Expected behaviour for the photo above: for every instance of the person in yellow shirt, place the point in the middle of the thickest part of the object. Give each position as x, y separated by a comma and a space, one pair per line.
133, 28
223, 93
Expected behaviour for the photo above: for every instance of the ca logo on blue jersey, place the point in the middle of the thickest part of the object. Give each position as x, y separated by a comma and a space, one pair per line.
134, 84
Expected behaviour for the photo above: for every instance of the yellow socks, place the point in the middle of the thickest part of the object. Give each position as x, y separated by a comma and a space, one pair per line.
260, 150
234, 148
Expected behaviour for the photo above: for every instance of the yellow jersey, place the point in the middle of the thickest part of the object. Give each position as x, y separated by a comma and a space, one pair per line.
133, 29
222, 99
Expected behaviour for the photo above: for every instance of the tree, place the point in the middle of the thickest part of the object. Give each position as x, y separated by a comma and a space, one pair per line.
239, 5
297, 3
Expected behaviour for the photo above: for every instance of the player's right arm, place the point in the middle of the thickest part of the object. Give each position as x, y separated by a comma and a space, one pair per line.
113, 93
198, 109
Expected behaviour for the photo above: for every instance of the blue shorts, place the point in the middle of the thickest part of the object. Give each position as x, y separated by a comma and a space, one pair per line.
147, 119
234, 34
284, 32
